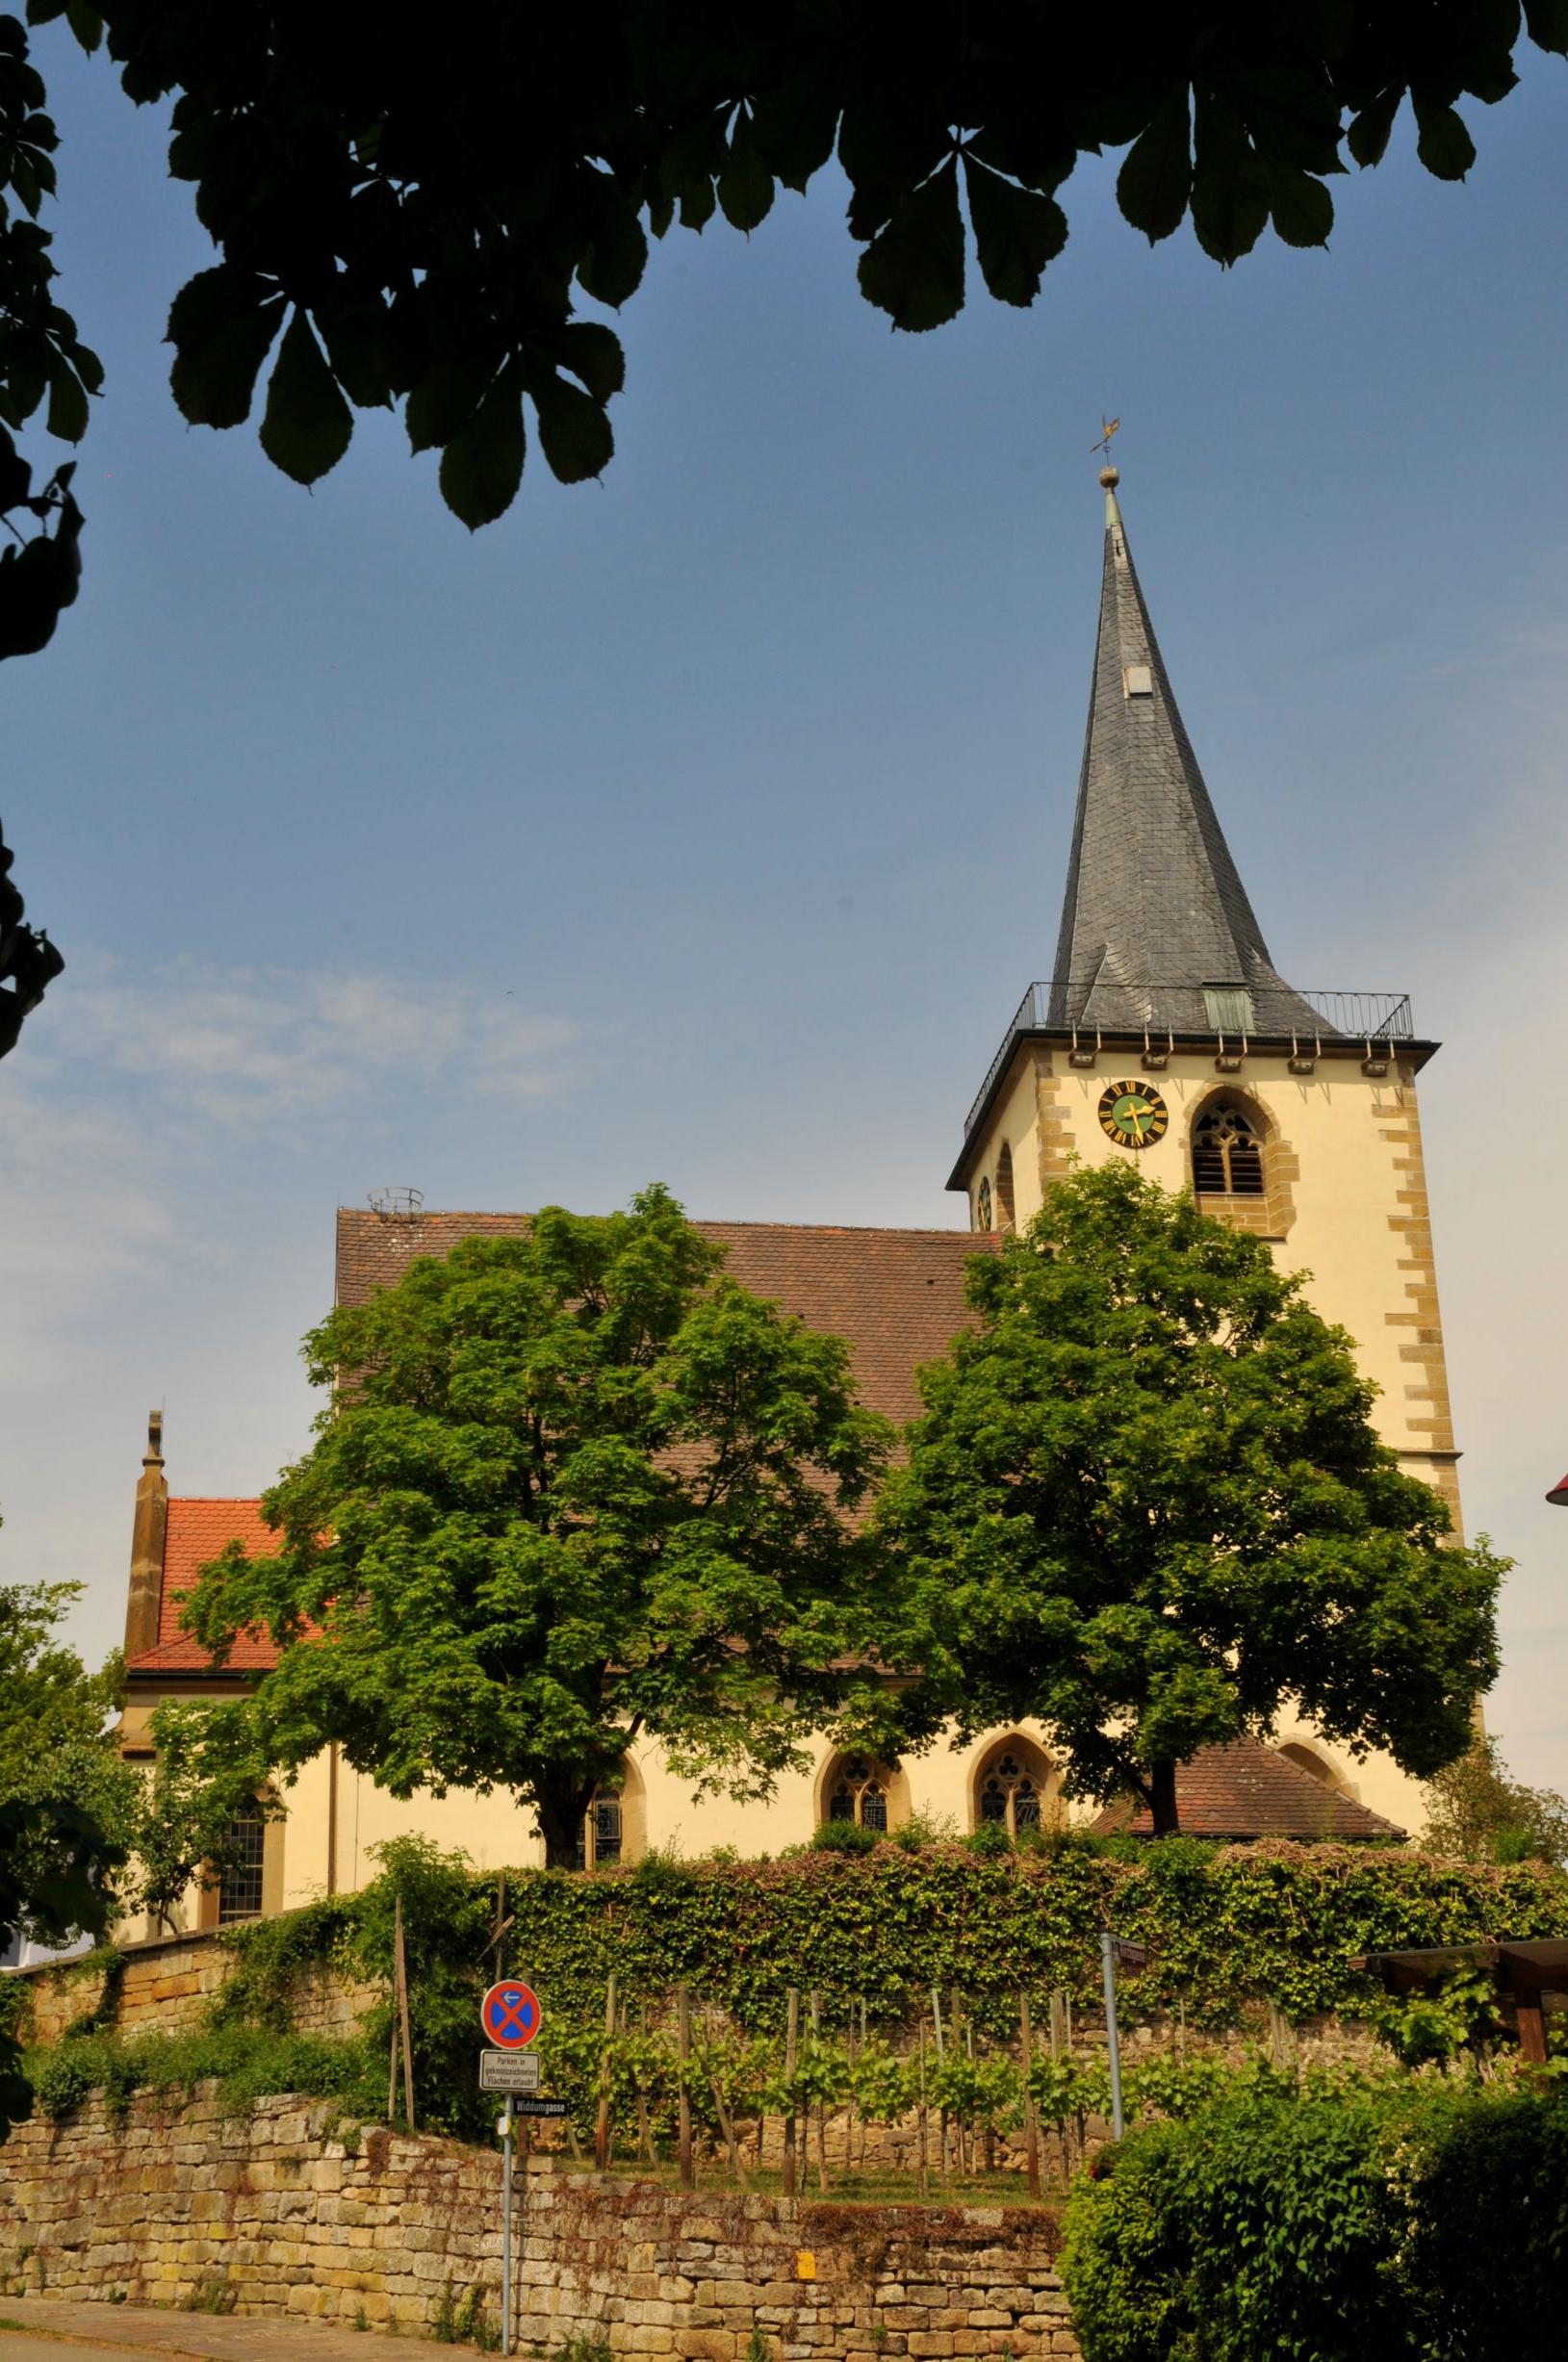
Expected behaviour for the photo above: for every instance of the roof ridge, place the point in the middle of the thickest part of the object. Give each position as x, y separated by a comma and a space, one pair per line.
699, 1222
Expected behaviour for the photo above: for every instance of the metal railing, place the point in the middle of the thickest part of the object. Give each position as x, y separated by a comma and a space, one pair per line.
1350, 1017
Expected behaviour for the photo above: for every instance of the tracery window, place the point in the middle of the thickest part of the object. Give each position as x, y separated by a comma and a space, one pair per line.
981, 1205
1227, 1152
1009, 1792
857, 1790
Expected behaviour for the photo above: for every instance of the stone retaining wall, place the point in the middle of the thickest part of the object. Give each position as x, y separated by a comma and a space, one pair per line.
167, 1985
181, 2203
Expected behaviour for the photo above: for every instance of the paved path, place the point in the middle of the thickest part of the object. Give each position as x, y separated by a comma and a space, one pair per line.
40, 2330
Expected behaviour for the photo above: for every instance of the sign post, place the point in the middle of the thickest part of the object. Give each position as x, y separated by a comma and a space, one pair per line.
510, 2016
1113, 1949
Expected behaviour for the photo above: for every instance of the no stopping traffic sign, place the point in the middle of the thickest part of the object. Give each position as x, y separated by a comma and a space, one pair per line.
509, 2015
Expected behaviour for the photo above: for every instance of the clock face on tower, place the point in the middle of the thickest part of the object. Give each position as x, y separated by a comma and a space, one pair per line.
1132, 1115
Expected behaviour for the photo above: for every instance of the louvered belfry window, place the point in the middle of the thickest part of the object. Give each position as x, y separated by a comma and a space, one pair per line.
1227, 1154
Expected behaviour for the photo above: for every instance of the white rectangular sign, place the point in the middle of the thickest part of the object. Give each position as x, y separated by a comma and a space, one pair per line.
508, 2070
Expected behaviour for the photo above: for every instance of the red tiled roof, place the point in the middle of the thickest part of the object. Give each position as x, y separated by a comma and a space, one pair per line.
196, 1532
897, 1295
1249, 1790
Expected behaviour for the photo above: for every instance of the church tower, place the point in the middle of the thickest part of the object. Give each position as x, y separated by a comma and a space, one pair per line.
1167, 1034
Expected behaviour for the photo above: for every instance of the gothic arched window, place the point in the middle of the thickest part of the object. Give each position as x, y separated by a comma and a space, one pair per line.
858, 1789
1010, 1788
1228, 1151
981, 1205
1004, 1187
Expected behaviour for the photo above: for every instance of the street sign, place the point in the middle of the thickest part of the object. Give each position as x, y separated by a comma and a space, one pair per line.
534, 2106
1130, 1955
510, 2015
508, 2070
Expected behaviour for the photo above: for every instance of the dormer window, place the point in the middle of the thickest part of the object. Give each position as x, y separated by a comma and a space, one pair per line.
1230, 1009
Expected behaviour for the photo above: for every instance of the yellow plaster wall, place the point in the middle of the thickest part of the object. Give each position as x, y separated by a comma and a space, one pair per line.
1358, 1225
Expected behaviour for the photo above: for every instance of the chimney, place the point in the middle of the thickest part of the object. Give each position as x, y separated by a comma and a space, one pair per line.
145, 1599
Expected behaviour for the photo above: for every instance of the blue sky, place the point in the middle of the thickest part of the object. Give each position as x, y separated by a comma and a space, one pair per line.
707, 824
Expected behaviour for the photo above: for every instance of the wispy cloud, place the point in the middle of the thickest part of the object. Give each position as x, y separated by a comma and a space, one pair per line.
238, 1046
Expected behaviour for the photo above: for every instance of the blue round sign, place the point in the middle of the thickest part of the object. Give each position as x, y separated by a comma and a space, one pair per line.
509, 2015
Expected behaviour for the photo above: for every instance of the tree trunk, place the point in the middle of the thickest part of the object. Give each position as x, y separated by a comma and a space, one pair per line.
561, 1811
1163, 1786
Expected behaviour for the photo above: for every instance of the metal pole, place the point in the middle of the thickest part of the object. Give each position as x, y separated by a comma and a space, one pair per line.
1108, 1964
506, 2230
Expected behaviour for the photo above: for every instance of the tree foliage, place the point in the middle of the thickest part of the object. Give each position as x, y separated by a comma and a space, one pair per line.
1478, 1811
571, 1487
414, 210
62, 1807
1146, 1504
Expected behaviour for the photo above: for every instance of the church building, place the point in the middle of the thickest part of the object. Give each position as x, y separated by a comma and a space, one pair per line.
1165, 1034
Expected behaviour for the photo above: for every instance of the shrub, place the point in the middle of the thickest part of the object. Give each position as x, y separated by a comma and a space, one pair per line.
1258, 2229
1485, 2261
845, 1838
1416, 2219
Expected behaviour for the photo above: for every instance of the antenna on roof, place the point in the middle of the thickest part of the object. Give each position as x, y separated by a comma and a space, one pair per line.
397, 1205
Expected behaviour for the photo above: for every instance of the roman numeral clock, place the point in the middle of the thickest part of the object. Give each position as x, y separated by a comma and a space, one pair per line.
1132, 1115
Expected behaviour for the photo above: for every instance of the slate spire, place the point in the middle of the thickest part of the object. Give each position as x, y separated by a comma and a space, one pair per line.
1156, 924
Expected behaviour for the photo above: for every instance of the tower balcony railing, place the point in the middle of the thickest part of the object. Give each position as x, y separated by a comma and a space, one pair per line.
1230, 1015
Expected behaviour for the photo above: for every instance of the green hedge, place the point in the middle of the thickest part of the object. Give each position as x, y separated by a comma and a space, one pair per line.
1422, 2219
1224, 1925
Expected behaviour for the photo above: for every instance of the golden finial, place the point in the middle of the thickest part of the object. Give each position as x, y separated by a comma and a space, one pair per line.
1110, 474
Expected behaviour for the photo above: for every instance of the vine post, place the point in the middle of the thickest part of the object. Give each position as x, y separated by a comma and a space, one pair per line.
821, 2097
791, 2036
688, 2178
920, 2118
942, 2060
1031, 2122
401, 1963
602, 2126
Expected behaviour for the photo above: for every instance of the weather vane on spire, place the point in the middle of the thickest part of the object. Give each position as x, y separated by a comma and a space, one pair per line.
1108, 427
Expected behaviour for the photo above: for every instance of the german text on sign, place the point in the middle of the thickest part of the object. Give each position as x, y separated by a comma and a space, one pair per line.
508, 2070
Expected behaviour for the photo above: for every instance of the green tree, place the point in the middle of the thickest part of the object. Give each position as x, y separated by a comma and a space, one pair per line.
414, 209
1477, 1810
571, 1487
63, 1807
1145, 1504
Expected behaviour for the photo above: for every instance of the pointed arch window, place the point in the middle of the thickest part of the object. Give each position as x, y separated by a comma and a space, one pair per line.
982, 1204
858, 1789
1228, 1151
1011, 1788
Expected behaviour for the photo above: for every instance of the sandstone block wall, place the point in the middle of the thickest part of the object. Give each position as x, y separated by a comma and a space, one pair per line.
296, 2215
167, 1985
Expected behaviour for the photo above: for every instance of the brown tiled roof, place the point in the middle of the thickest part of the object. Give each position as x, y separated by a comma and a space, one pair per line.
1249, 1790
897, 1295
196, 1532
